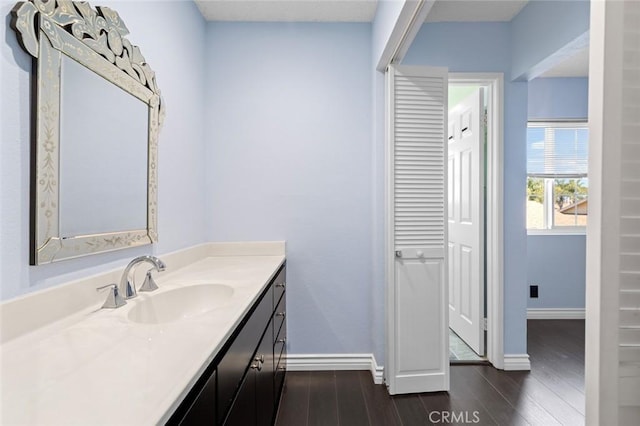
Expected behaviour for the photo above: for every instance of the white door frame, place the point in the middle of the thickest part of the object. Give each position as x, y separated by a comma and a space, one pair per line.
494, 82
494, 223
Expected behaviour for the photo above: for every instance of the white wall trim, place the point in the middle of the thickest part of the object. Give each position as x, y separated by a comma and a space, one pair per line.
516, 362
555, 314
325, 362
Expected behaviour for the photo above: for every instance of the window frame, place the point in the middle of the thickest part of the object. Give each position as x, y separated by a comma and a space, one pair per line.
549, 227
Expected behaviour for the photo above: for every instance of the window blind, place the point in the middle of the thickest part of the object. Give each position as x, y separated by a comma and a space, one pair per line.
557, 150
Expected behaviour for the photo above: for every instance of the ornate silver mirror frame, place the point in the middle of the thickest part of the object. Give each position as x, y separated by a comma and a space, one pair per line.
47, 30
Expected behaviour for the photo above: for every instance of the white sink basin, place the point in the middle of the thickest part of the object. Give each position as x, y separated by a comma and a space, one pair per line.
180, 303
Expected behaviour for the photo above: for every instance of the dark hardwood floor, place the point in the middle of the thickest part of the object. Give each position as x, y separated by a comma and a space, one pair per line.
552, 393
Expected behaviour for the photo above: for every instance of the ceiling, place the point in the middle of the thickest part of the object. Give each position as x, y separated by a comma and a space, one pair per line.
288, 10
365, 10
475, 10
351, 10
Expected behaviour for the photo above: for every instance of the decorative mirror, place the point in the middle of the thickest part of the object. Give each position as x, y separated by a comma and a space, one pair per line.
97, 115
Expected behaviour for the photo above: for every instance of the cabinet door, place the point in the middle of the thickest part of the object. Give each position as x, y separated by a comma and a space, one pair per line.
280, 373
203, 409
279, 315
279, 285
243, 410
265, 380
280, 359
237, 359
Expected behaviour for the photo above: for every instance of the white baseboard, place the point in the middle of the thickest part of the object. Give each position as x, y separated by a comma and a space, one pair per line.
323, 362
517, 362
553, 313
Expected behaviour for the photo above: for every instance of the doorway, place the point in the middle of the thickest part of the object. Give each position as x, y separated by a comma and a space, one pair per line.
467, 142
492, 84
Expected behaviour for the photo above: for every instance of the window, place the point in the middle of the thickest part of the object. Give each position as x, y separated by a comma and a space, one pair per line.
557, 180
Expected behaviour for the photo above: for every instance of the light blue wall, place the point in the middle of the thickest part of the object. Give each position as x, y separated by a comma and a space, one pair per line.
559, 98
545, 30
289, 130
171, 36
485, 47
557, 263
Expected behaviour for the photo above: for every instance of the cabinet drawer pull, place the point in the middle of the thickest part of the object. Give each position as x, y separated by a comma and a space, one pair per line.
280, 314
259, 358
282, 340
282, 368
257, 366
281, 285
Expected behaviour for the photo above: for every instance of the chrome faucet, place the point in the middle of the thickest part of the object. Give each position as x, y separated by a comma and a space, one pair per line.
127, 284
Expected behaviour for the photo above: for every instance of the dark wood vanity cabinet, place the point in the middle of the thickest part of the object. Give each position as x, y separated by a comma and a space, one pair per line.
243, 384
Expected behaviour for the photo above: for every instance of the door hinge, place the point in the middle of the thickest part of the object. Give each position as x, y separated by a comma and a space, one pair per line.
484, 324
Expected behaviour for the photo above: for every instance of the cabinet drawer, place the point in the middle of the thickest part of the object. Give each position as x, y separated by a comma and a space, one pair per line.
281, 371
280, 315
236, 361
264, 382
279, 286
280, 341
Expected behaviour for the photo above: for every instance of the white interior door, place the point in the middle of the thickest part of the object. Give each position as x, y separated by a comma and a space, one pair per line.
466, 220
417, 350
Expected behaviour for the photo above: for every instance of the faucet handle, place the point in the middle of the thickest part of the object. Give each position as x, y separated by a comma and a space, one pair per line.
161, 265
114, 300
149, 283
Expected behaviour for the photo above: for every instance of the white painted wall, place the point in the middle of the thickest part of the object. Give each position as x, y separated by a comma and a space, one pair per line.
171, 36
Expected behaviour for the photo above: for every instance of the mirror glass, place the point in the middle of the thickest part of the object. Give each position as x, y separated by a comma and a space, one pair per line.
103, 154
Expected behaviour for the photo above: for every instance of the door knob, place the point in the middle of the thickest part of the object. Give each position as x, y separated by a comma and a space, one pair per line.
420, 253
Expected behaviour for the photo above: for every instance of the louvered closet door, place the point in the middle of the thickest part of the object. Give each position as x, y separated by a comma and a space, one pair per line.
629, 312
612, 359
417, 170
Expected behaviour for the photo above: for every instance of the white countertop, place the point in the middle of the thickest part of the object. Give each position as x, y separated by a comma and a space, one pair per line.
96, 367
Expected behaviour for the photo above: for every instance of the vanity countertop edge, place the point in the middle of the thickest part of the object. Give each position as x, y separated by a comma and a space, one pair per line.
97, 367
